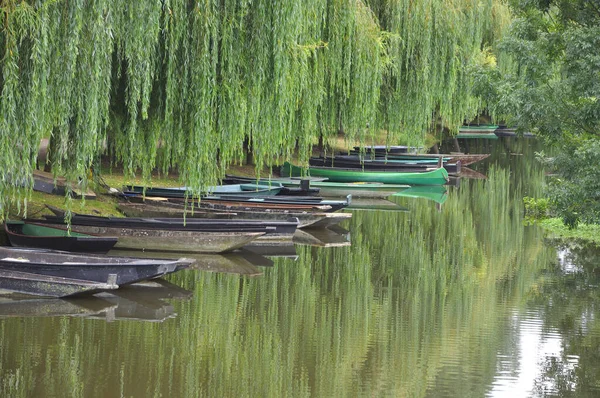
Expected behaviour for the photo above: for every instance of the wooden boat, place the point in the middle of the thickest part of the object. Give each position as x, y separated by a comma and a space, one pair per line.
275, 227
140, 238
356, 189
245, 190
477, 135
45, 182
169, 234
508, 132
168, 209
475, 128
95, 268
385, 149
465, 159
49, 286
435, 177
22, 234
301, 189
336, 189
309, 203
357, 162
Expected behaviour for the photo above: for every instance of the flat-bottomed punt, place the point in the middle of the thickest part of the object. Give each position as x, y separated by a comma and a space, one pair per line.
27, 234
246, 190
95, 268
177, 234
306, 219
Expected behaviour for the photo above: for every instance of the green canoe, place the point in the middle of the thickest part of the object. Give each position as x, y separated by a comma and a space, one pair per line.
334, 174
478, 131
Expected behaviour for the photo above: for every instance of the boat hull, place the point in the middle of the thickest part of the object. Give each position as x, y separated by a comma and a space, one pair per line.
124, 274
306, 219
435, 177
34, 235
172, 240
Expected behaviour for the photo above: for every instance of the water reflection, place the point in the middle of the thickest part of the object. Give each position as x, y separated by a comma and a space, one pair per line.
461, 300
143, 301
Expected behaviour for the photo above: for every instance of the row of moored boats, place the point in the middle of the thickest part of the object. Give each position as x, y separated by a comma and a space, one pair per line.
50, 260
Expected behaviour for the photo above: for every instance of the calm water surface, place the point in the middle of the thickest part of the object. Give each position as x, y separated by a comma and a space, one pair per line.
452, 300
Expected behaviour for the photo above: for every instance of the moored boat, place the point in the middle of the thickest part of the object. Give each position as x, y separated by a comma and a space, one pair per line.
435, 177
246, 190
432, 158
28, 234
337, 189
177, 234
140, 238
387, 164
96, 268
306, 219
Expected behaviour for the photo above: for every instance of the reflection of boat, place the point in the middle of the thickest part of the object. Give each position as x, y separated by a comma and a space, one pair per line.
47, 307
286, 251
326, 237
470, 173
231, 263
92, 268
22, 234
50, 286
438, 193
142, 302
435, 177
376, 204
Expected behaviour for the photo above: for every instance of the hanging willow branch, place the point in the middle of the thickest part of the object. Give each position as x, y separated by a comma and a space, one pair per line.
181, 83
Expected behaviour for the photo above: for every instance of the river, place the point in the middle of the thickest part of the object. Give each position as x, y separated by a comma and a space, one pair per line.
454, 298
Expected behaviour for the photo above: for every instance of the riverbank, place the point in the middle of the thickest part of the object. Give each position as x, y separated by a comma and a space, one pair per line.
556, 229
105, 204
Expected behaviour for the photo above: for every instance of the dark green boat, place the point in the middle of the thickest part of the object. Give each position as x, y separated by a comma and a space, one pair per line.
28, 234
435, 177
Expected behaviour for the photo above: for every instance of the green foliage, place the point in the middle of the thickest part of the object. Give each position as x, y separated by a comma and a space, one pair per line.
575, 192
535, 209
199, 80
553, 90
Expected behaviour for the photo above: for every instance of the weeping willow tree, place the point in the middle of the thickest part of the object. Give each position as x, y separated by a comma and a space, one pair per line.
183, 84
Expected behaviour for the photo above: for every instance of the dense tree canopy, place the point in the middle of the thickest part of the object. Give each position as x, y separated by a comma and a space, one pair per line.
180, 83
554, 91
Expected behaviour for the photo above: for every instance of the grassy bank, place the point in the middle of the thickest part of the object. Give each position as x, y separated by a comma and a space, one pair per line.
556, 229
